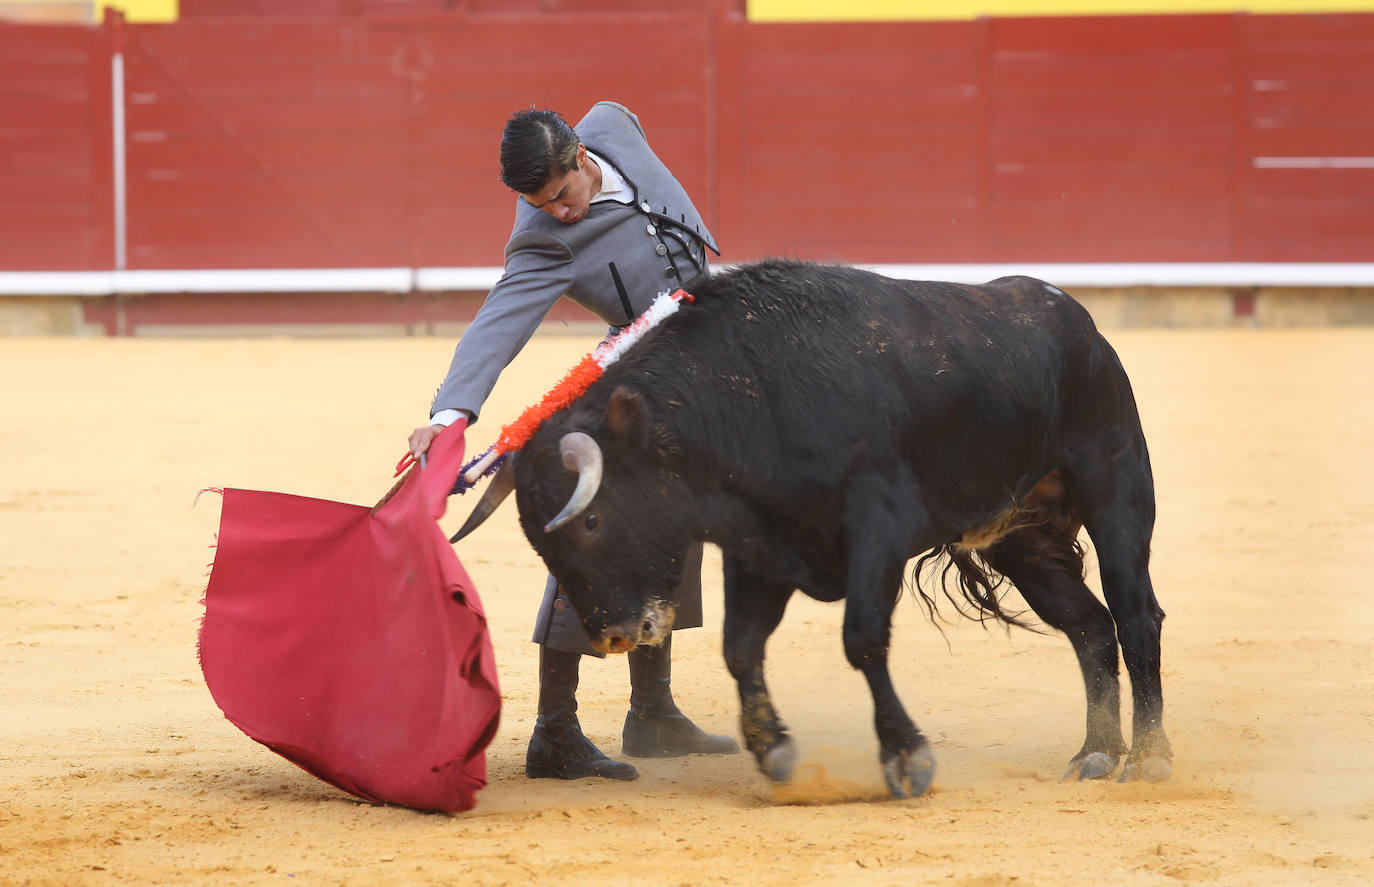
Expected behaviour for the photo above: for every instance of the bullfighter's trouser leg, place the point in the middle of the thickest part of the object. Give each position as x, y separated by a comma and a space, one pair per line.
558, 747
654, 726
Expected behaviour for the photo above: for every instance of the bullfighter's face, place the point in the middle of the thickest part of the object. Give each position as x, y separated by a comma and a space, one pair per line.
568, 196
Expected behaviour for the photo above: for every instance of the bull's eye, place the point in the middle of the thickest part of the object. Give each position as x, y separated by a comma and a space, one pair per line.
591, 521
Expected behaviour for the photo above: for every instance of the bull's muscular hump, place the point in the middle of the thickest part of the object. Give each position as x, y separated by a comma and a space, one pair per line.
823, 425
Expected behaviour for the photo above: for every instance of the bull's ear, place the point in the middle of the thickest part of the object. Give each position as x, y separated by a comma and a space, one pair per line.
625, 414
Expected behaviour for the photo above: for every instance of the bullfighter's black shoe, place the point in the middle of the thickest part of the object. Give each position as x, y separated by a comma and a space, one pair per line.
654, 727
558, 747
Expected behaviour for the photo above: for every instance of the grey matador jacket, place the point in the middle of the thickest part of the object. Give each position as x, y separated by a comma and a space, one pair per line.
613, 262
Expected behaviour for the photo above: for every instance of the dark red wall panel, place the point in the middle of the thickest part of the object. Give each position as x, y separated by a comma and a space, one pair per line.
357, 142
1111, 138
55, 148
855, 141
1305, 184
283, 142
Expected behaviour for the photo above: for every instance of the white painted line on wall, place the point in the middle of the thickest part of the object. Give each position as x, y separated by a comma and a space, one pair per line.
481, 279
1150, 273
121, 249
1312, 162
457, 279
57, 283
267, 280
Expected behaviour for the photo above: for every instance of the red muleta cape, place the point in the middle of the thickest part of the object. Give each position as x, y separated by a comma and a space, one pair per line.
351, 641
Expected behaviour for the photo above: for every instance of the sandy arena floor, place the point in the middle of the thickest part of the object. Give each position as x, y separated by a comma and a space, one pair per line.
116, 766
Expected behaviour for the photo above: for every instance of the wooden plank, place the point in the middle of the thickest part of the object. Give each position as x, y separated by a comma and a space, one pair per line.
1110, 35
1329, 32
1208, 147
1161, 68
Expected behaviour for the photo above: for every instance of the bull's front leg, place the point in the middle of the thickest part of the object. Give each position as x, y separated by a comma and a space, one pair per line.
753, 609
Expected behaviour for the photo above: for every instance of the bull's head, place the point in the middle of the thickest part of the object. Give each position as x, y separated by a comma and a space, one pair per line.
606, 514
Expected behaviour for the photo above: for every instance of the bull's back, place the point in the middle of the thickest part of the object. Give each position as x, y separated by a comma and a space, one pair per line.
897, 354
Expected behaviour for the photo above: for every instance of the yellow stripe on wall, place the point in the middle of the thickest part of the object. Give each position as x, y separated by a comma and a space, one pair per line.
143, 10
93, 11
905, 10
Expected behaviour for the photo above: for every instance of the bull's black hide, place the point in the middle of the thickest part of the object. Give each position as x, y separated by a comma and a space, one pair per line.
823, 425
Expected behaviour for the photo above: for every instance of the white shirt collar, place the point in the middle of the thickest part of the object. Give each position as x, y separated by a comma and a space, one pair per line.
613, 184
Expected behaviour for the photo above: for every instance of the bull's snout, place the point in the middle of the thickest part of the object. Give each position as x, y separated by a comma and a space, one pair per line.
650, 627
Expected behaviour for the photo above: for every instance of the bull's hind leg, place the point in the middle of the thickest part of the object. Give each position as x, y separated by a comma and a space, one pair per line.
877, 554
1112, 487
753, 609
1047, 568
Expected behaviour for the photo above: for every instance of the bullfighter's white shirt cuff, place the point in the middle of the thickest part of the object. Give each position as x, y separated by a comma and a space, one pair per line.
445, 417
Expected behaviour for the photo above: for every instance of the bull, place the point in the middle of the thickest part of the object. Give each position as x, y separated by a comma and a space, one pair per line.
823, 425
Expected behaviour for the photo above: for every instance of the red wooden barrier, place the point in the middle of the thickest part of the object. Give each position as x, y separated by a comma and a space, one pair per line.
856, 142
336, 137
55, 148
1110, 138
335, 143
1305, 168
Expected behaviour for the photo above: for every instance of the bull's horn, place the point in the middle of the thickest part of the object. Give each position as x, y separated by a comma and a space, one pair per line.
495, 493
581, 454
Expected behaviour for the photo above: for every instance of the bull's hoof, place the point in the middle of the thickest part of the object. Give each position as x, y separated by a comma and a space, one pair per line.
778, 762
1152, 769
1095, 765
909, 773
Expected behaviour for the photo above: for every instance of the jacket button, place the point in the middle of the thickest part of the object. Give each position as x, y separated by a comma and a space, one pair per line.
558, 604
670, 272
661, 249
651, 229
644, 205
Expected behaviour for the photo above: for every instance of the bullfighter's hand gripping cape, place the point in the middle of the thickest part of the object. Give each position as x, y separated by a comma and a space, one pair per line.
351, 641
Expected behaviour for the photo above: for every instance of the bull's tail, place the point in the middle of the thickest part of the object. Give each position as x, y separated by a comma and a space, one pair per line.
1042, 529
977, 592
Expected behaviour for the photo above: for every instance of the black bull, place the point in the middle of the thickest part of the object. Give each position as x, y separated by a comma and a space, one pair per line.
823, 425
